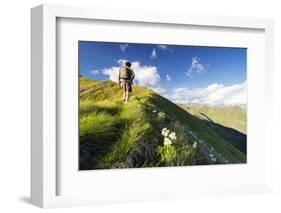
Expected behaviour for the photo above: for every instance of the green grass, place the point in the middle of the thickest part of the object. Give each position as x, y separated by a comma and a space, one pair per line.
97, 125
232, 116
86, 83
118, 135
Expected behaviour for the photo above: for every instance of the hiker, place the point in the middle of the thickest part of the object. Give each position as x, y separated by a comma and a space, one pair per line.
126, 77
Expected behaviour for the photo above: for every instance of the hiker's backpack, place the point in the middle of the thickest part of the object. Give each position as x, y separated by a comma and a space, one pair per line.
125, 73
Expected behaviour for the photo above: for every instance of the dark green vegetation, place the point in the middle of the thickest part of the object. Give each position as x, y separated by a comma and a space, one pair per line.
118, 135
229, 122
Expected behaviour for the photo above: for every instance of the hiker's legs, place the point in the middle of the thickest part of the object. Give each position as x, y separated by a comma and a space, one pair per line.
127, 88
124, 96
127, 96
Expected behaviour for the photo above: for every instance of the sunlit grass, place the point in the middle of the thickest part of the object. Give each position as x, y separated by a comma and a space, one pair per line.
129, 135
96, 126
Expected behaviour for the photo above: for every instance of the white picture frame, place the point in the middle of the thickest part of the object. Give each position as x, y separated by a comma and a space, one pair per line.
44, 148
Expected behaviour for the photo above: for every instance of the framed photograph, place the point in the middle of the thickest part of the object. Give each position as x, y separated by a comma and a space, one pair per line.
129, 106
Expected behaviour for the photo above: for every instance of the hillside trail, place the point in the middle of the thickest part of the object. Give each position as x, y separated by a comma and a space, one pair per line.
93, 89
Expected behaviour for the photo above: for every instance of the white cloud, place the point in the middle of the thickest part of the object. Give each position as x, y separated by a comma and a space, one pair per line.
123, 47
94, 72
168, 78
153, 54
159, 89
144, 75
163, 47
195, 67
112, 73
214, 94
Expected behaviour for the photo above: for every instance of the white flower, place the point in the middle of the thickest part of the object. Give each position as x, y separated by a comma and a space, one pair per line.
173, 136
154, 111
194, 145
165, 132
161, 114
167, 141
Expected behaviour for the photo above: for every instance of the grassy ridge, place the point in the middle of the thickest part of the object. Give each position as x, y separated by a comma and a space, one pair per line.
232, 116
229, 122
118, 135
203, 131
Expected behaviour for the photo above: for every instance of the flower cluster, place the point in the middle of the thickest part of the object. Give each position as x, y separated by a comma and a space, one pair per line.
167, 141
161, 115
169, 136
173, 136
165, 132
167, 152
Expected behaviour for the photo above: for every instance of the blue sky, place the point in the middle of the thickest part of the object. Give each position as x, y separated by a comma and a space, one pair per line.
168, 69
